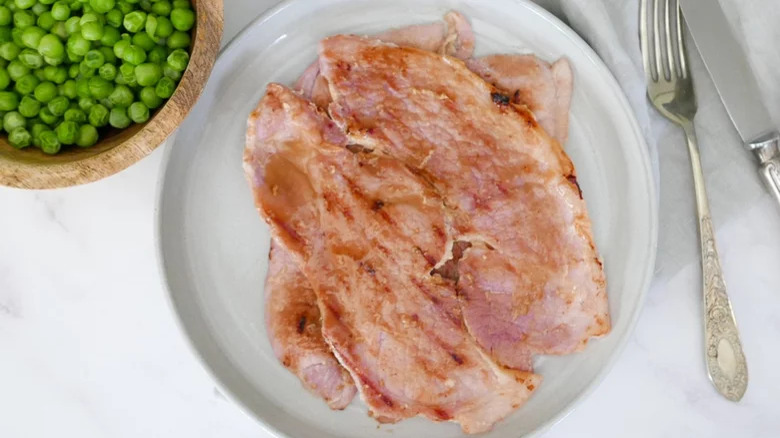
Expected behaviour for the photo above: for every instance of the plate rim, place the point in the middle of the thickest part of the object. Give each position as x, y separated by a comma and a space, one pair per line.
647, 275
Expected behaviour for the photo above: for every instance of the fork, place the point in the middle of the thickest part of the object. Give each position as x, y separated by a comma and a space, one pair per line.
670, 89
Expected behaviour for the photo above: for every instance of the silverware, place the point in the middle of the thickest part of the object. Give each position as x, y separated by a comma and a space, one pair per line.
670, 89
736, 85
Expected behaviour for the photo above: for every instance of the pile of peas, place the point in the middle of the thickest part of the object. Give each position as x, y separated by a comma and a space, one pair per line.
71, 67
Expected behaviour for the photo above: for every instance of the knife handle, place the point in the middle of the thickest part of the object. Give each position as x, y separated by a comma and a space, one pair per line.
767, 149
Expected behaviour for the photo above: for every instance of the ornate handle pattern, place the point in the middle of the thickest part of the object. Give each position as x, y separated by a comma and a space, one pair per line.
725, 360
726, 363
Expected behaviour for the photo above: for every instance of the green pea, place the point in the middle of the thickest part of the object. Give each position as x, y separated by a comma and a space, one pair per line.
67, 132
114, 18
107, 72
24, 4
162, 7
169, 72
183, 19
30, 58
118, 118
29, 107
38, 74
45, 92
5, 79
163, 28
36, 127
58, 75
73, 71
78, 5
16, 36
9, 101
5, 16
85, 103
19, 138
181, 4
86, 71
75, 115
78, 45
92, 31
72, 57
94, 58
13, 120
179, 40
51, 47
119, 48
151, 26
82, 87
98, 115
127, 71
60, 11
110, 36
31, 36
87, 136
134, 21
59, 30
146, 5
73, 25
134, 55
149, 97
144, 41
125, 7
102, 6
58, 105
100, 88
23, 19
157, 55
47, 117
138, 112
50, 144
26, 84
9, 51
165, 87
17, 70
121, 96
46, 21
39, 8
178, 59
147, 74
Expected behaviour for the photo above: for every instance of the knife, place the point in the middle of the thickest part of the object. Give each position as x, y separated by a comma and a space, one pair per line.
736, 85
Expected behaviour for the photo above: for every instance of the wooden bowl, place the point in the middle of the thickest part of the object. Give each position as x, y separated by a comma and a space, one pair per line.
30, 168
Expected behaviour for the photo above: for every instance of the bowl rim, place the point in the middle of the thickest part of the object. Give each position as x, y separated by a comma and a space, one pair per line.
41, 174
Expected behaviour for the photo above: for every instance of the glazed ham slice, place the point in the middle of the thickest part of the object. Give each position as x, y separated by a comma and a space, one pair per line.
543, 87
453, 36
532, 281
367, 231
295, 330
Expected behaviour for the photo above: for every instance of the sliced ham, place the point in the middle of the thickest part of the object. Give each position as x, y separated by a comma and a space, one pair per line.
544, 88
532, 282
295, 330
367, 232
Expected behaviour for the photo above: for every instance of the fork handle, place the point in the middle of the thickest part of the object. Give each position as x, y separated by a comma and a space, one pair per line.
725, 360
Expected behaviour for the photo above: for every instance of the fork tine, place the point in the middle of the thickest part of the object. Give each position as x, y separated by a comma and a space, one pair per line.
644, 40
683, 54
668, 37
657, 40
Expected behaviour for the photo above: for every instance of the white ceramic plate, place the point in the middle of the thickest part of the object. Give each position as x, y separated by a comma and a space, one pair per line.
214, 246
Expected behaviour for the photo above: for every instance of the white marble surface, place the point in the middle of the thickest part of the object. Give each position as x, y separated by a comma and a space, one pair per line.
89, 348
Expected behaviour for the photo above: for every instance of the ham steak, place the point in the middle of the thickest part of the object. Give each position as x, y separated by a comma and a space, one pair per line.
366, 231
532, 281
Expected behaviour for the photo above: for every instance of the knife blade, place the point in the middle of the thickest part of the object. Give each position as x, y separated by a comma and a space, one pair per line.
730, 71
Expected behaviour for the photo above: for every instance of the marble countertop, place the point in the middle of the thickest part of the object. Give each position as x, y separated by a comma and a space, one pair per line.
89, 348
